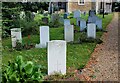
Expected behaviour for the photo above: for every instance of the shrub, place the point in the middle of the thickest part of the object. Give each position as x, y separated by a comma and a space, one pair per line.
20, 71
24, 46
28, 28
5, 34
19, 46
54, 22
28, 46
28, 24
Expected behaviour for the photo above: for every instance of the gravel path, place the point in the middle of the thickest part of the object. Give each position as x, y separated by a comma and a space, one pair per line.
103, 64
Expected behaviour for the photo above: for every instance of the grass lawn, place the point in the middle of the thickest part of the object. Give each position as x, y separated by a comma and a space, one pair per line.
77, 54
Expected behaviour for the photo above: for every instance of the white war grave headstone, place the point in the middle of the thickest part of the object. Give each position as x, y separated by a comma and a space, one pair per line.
56, 57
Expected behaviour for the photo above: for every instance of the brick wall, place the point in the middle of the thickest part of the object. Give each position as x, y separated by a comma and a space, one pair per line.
72, 6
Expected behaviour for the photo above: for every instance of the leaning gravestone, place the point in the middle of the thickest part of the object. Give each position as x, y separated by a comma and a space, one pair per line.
77, 14
69, 33
66, 22
99, 23
91, 30
56, 57
16, 36
82, 25
44, 36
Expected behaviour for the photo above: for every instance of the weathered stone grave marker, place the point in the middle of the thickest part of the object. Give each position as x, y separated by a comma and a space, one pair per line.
44, 36
91, 30
92, 19
16, 36
69, 33
91, 13
82, 25
77, 14
56, 57
99, 23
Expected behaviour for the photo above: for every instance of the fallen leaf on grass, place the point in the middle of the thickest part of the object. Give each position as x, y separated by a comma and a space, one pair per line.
87, 78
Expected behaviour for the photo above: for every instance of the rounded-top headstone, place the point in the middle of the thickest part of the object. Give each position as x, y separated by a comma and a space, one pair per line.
77, 14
